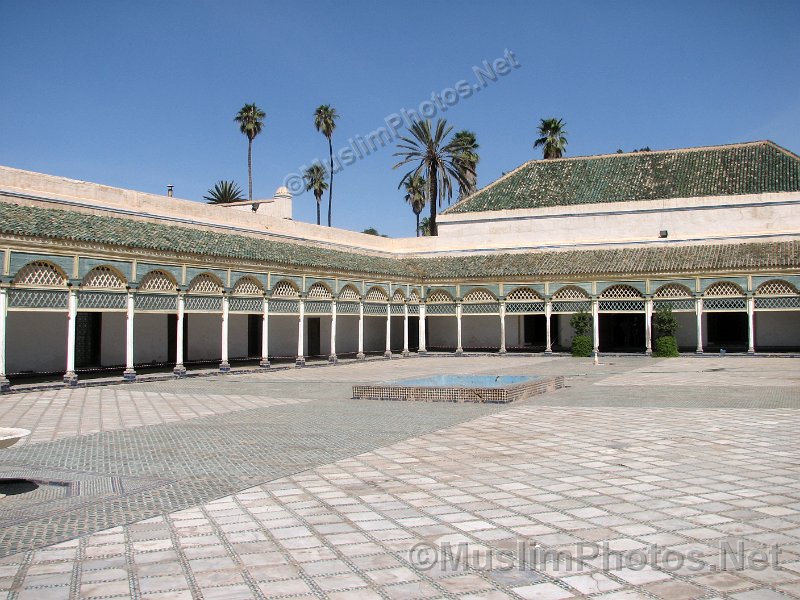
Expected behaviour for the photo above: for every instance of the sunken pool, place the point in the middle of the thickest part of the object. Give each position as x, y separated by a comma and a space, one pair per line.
460, 388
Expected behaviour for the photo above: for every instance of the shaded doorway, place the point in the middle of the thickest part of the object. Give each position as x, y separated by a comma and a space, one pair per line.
88, 327
534, 331
255, 332
413, 334
314, 333
622, 333
727, 330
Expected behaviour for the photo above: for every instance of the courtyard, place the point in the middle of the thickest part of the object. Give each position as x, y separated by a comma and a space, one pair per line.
279, 485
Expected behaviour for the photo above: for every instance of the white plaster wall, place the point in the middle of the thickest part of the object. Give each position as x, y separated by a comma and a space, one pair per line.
441, 332
565, 331
204, 337
283, 336
151, 338
481, 331
777, 329
687, 330
375, 333
112, 339
36, 341
237, 335
346, 334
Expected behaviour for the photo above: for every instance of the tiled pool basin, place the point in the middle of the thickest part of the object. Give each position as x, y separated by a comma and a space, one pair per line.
460, 388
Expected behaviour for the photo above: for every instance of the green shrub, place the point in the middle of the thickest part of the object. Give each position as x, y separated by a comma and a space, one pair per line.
581, 322
582, 345
666, 346
665, 322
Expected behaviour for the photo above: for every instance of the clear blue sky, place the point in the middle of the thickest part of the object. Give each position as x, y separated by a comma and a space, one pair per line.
142, 94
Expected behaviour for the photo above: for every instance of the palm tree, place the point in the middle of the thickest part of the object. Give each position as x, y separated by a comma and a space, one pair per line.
415, 195
325, 121
224, 192
315, 181
468, 156
250, 119
437, 160
552, 132
424, 228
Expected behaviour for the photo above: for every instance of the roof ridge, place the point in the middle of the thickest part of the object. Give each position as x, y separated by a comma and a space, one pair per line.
490, 185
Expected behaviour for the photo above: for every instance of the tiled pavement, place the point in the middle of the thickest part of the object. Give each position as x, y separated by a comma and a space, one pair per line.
347, 488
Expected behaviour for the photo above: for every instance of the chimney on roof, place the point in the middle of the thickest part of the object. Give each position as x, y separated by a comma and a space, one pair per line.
169, 190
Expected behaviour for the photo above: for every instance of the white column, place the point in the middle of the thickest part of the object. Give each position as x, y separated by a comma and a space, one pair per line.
648, 326
5, 385
459, 349
300, 361
264, 363
548, 311
502, 327
70, 377
698, 311
595, 327
360, 355
129, 374
332, 358
405, 330
751, 302
388, 352
225, 366
422, 349
179, 370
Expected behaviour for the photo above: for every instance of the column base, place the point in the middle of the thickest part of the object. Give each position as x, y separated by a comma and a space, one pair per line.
422, 352
459, 352
224, 366
129, 375
264, 364
502, 351
70, 379
751, 351
300, 361
649, 352
548, 351
699, 351
387, 354
179, 372
361, 356
5, 385
333, 359
405, 354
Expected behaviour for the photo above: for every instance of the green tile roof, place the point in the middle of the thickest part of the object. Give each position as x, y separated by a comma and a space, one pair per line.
78, 226
751, 168
551, 264
634, 261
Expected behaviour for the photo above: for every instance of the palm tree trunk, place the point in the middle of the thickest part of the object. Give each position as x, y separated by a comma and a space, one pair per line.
417, 223
330, 186
432, 225
318, 203
250, 169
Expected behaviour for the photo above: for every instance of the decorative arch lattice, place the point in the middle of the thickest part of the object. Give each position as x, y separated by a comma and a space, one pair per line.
523, 294
41, 272
247, 286
103, 277
158, 281
284, 289
724, 289
621, 292
398, 296
205, 283
376, 294
319, 291
776, 287
348, 294
480, 295
439, 296
413, 296
673, 290
571, 292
